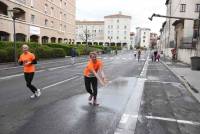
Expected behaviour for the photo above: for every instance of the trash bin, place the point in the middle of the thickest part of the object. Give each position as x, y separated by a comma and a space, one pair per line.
195, 63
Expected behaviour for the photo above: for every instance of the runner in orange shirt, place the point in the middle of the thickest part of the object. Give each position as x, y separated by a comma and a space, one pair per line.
27, 59
91, 76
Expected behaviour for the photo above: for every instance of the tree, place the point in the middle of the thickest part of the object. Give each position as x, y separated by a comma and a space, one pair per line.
85, 36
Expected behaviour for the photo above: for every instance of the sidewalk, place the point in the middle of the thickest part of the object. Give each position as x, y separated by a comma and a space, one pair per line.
190, 78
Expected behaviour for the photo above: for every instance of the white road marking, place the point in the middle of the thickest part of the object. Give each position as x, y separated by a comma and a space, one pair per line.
10, 68
137, 95
11, 76
163, 82
55, 84
124, 118
174, 120
16, 75
51, 69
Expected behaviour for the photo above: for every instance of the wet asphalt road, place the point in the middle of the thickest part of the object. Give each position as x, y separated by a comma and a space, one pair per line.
141, 99
60, 84
167, 107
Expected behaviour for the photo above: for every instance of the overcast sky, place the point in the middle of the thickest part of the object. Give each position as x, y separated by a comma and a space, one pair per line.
139, 10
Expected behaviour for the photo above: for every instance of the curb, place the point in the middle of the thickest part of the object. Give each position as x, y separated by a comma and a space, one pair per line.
183, 81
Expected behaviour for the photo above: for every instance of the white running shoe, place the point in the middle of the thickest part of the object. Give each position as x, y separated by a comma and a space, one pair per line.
38, 93
33, 96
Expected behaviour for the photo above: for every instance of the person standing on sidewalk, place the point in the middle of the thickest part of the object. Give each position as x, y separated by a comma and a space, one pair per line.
139, 54
73, 55
91, 76
27, 59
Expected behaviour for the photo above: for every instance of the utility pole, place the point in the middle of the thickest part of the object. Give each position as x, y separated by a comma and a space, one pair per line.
86, 36
197, 45
170, 14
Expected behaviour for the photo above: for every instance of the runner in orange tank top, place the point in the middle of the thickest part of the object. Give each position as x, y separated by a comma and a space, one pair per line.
91, 76
27, 59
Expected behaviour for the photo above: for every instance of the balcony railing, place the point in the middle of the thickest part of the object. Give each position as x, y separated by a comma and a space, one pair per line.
21, 1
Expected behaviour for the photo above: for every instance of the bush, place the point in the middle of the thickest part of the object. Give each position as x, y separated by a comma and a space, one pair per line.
66, 48
47, 52
10, 54
58, 52
43, 52
3, 55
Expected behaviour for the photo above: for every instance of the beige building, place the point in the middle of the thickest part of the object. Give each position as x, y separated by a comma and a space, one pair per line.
38, 20
90, 31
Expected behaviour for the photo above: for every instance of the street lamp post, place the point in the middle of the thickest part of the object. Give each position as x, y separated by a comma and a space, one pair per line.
12, 13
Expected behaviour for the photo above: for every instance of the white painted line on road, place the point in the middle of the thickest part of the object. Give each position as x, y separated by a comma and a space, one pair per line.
124, 118
163, 82
16, 75
137, 95
144, 70
173, 120
51, 69
11, 76
55, 84
10, 68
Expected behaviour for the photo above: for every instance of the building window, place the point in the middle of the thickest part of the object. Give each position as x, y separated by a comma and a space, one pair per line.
52, 24
118, 27
52, 9
117, 21
117, 37
45, 8
32, 3
143, 41
65, 4
46, 22
32, 19
108, 32
182, 7
65, 17
125, 27
111, 26
125, 38
197, 8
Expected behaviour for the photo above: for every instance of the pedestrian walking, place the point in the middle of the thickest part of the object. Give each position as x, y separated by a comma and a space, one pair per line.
155, 54
73, 55
139, 54
27, 59
152, 56
173, 51
92, 73
158, 57
135, 54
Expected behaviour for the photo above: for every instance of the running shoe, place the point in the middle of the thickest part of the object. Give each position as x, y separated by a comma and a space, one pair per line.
38, 93
90, 98
33, 96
